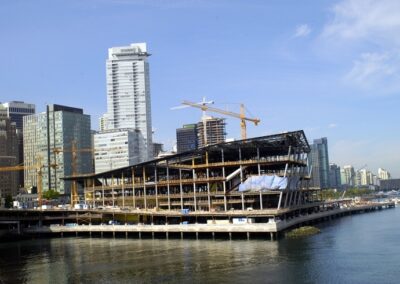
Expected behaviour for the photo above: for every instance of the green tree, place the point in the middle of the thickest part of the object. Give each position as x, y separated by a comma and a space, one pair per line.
51, 194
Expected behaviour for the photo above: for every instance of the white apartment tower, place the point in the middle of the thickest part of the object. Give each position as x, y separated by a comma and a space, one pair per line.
128, 93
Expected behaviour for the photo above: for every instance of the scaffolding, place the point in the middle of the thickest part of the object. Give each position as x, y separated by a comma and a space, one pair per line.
208, 179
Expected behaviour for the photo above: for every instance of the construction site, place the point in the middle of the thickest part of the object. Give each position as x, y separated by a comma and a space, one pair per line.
254, 174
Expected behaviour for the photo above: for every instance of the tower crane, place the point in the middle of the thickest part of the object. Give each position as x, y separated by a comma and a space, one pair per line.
73, 151
240, 115
74, 164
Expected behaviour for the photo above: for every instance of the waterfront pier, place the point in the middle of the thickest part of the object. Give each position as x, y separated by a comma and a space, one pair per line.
267, 224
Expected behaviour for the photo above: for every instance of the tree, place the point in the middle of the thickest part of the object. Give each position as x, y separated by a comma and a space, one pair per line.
51, 194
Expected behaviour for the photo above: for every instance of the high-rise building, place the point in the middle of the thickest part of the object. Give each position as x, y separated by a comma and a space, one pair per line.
187, 138
128, 93
320, 163
348, 175
117, 148
8, 154
49, 139
213, 133
16, 110
383, 174
364, 177
334, 176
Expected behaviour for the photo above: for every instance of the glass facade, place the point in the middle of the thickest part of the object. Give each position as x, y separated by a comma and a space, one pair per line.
48, 141
320, 163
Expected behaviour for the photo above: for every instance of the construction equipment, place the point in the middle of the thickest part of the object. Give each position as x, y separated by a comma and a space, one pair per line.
73, 151
39, 167
240, 115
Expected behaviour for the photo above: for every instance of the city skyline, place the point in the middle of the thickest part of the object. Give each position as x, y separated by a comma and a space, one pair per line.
335, 63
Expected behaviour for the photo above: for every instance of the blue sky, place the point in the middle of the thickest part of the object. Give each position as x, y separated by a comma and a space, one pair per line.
331, 68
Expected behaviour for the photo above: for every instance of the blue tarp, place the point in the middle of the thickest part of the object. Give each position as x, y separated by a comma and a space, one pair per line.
268, 182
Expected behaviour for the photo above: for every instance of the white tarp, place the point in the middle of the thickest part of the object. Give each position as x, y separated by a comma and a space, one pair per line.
268, 182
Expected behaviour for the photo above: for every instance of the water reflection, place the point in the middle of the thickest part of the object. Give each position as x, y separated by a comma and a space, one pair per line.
357, 249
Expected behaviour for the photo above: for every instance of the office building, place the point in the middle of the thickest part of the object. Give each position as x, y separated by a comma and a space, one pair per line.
16, 110
187, 138
334, 176
319, 159
128, 93
8, 155
49, 140
211, 131
117, 148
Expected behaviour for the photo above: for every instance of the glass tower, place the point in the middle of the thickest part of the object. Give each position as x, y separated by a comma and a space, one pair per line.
48, 142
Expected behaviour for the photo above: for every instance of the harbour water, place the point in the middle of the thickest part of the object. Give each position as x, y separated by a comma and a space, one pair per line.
361, 248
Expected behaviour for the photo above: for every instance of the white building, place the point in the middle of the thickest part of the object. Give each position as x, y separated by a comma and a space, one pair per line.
365, 177
128, 93
383, 174
117, 148
347, 175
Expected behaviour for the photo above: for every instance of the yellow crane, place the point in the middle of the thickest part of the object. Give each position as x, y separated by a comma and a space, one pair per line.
39, 167
74, 150
240, 115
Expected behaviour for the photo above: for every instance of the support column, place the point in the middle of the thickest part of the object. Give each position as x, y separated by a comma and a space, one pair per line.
168, 193
112, 190
93, 194
181, 187
242, 201
102, 191
194, 189
156, 185
144, 188
133, 189
208, 189
286, 199
261, 201
280, 200
224, 182
123, 189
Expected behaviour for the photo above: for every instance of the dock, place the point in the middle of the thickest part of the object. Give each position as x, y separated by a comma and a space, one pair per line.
272, 229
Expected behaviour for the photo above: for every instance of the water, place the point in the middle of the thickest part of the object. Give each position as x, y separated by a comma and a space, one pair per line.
356, 249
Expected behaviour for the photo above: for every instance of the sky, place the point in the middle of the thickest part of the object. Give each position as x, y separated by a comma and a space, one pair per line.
331, 68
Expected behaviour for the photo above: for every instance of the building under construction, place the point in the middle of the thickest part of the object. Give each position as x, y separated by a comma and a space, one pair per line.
267, 172
211, 130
